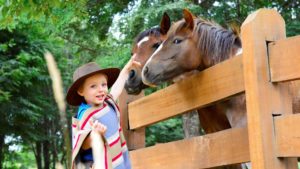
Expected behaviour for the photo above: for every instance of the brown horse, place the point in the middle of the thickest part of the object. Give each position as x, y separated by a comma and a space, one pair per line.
144, 46
191, 44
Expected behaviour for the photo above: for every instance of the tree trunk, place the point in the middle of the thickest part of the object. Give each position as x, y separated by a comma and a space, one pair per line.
1, 149
54, 153
38, 155
46, 154
206, 4
191, 124
238, 9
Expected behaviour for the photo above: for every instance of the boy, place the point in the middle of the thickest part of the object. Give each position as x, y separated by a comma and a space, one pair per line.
98, 113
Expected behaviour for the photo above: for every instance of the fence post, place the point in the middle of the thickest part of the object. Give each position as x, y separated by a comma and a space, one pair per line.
264, 99
135, 138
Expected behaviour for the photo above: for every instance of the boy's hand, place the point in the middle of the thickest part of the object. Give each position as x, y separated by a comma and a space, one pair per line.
132, 63
98, 127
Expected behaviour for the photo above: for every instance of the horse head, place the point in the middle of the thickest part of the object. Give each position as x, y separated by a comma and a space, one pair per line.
191, 43
144, 46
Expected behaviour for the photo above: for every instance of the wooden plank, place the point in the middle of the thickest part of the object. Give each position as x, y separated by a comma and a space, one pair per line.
135, 138
284, 58
222, 148
288, 135
218, 82
262, 97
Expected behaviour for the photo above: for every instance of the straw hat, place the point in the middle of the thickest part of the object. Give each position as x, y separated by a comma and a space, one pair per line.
85, 71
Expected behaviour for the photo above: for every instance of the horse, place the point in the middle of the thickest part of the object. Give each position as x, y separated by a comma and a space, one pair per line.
143, 47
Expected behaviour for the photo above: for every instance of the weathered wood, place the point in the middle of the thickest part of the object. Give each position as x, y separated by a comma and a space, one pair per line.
288, 135
284, 58
215, 83
221, 148
263, 98
135, 138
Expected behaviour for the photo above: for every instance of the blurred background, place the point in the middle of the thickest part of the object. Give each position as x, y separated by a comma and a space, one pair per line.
77, 32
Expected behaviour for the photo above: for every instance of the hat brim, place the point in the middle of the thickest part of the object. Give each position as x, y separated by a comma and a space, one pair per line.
74, 99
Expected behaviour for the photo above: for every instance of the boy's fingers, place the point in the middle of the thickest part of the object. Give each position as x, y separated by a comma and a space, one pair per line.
136, 63
133, 57
97, 126
102, 126
91, 122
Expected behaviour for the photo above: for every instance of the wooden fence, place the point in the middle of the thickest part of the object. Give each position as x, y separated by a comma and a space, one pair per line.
272, 138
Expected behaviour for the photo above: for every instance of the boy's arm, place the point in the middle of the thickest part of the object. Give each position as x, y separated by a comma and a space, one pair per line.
118, 86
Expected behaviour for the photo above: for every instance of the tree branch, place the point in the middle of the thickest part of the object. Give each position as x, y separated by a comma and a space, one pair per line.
78, 44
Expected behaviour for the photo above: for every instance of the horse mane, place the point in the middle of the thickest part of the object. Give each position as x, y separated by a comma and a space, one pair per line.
214, 42
152, 31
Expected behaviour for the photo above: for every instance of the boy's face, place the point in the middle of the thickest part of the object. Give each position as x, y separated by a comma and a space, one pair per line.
94, 89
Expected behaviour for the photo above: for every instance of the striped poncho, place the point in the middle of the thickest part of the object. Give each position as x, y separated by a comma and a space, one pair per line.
115, 149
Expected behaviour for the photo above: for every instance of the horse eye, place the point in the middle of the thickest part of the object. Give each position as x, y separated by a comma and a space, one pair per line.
177, 41
155, 45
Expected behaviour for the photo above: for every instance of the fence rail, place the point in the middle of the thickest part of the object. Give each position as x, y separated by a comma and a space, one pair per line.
213, 84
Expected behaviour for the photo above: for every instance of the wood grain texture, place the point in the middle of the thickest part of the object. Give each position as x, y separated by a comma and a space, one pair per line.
288, 135
222, 148
284, 58
262, 97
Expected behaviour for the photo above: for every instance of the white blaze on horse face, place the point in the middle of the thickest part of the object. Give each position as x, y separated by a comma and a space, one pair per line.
145, 81
155, 52
145, 39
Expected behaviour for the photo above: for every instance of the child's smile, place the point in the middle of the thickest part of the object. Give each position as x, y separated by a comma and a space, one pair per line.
94, 89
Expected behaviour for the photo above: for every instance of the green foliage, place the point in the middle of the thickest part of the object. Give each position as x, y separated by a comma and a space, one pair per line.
166, 131
148, 14
26, 12
115, 58
19, 72
20, 159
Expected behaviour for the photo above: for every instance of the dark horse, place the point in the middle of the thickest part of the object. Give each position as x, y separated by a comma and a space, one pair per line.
143, 47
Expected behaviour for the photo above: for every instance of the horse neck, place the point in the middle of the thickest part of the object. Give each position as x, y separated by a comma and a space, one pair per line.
214, 43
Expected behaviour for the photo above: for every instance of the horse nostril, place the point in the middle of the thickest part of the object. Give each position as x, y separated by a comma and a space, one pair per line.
146, 69
131, 74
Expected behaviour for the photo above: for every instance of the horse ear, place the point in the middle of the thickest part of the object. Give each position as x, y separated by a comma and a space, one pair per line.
165, 24
189, 18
